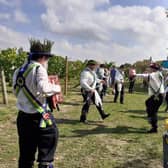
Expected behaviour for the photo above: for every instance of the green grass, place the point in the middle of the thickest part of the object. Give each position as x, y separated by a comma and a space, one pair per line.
118, 142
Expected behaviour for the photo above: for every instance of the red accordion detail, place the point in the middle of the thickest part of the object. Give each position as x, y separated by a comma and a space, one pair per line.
56, 98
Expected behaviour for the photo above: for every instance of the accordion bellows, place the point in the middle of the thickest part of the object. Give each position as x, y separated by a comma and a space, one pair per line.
56, 98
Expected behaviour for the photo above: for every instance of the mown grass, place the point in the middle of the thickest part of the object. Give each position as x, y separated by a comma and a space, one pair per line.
118, 142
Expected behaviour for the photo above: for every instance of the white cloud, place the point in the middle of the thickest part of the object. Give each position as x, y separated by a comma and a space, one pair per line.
20, 17
113, 34
10, 38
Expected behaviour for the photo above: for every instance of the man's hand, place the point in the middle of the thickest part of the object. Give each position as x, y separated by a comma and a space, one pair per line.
103, 81
47, 118
92, 91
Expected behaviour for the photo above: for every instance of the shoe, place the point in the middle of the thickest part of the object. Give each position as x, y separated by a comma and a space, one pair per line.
121, 103
105, 116
152, 130
84, 121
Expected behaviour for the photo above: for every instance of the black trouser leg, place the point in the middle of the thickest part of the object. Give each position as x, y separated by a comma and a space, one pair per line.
47, 143
101, 112
116, 93
105, 88
131, 85
102, 95
166, 98
152, 106
83, 94
85, 108
28, 139
32, 137
122, 94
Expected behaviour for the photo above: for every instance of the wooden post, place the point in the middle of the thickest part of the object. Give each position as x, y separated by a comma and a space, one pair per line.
4, 90
66, 76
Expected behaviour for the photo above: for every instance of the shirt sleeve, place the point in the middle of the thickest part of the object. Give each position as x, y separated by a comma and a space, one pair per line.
14, 81
43, 84
142, 75
84, 81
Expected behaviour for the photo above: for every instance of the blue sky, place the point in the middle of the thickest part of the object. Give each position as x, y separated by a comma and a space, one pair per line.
150, 3
106, 30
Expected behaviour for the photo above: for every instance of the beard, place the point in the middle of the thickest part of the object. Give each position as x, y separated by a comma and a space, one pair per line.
45, 65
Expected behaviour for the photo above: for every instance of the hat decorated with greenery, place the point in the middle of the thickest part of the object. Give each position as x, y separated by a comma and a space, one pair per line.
92, 62
41, 48
154, 66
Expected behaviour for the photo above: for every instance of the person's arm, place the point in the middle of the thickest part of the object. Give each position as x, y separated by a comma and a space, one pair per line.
84, 81
14, 81
142, 75
43, 84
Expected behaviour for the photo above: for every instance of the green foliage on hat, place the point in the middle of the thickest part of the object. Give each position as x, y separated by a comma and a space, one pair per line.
92, 62
38, 46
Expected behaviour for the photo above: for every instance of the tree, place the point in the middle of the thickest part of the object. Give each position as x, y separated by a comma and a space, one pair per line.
11, 60
57, 66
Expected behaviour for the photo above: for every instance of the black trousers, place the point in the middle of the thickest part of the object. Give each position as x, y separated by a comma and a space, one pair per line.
131, 85
166, 99
117, 93
33, 138
90, 97
152, 106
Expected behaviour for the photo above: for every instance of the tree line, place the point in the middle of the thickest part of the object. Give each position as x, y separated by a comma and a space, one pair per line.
12, 58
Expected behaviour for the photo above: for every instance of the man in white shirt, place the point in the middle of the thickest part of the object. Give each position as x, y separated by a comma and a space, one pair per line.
88, 81
119, 84
155, 91
36, 125
101, 87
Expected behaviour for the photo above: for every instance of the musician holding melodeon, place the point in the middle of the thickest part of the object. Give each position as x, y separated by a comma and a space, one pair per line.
36, 125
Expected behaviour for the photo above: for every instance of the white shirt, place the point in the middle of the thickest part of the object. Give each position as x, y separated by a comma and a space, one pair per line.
100, 73
38, 84
88, 79
156, 82
119, 76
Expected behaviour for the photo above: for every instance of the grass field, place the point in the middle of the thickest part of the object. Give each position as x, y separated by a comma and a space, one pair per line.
118, 142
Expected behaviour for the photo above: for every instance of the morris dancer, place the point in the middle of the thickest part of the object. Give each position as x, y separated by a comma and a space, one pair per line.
88, 82
156, 92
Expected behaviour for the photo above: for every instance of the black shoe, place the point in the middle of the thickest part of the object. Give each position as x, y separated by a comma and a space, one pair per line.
45, 166
105, 116
83, 119
152, 130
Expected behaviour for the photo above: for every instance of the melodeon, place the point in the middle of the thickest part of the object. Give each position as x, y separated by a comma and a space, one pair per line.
55, 99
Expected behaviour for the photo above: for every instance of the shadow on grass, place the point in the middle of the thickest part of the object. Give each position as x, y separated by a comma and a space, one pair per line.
72, 103
66, 121
108, 101
145, 118
101, 129
138, 163
133, 111
138, 111
75, 122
